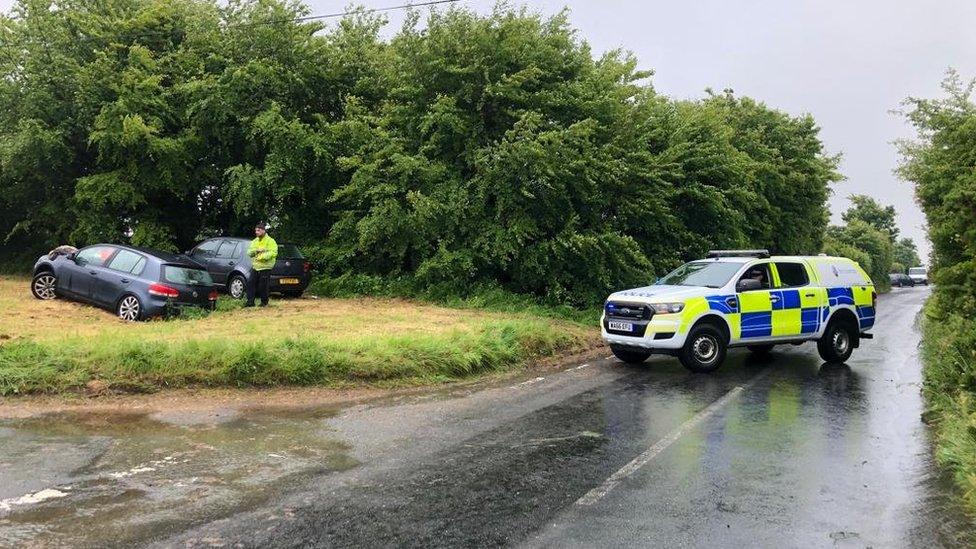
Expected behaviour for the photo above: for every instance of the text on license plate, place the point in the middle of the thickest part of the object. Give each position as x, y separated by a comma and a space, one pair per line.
621, 326
288, 281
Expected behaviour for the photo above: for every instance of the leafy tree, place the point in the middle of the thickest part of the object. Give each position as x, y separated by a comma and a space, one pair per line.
466, 150
905, 253
867, 209
942, 166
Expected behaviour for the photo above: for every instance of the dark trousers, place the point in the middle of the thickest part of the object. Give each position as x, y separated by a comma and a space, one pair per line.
258, 285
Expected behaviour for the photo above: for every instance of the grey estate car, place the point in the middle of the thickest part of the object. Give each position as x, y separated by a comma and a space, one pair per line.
136, 283
225, 258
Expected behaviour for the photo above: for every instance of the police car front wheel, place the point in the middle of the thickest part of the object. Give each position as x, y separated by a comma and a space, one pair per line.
704, 350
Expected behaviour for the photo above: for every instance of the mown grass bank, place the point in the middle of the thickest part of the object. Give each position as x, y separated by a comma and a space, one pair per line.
949, 353
59, 346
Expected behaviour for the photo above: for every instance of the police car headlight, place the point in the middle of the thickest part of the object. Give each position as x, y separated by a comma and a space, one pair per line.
667, 308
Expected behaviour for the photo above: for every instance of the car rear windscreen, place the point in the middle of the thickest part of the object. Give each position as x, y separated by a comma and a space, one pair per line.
289, 251
916, 271
186, 275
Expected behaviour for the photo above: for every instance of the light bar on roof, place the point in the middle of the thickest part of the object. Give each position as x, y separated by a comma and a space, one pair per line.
737, 253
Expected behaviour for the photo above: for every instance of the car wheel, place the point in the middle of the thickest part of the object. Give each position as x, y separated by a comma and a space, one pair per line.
43, 285
129, 308
760, 350
630, 357
705, 349
237, 287
838, 342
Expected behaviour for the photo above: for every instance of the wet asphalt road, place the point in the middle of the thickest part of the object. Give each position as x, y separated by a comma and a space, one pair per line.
783, 452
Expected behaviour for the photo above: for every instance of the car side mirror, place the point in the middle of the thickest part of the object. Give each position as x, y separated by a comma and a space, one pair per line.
748, 284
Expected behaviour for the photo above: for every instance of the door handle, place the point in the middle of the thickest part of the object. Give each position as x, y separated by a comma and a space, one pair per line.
231, 263
774, 298
810, 295
93, 273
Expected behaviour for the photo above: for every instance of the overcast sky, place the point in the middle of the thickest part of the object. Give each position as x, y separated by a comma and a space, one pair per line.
846, 62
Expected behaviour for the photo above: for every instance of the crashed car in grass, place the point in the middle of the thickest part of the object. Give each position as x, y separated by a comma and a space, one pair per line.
225, 258
135, 283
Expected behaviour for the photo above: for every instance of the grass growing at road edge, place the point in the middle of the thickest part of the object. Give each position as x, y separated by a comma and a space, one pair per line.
949, 353
57, 346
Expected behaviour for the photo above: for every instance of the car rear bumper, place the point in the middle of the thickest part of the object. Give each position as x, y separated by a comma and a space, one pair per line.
167, 309
280, 283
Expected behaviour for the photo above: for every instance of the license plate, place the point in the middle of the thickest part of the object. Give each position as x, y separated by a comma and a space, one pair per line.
288, 281
621, 326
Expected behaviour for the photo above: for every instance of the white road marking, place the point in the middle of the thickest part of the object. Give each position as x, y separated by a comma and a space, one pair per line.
29, 499
596, 494
52, 493
529, 382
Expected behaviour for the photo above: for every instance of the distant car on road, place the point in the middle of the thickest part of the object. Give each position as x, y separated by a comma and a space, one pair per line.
743, 298
136, 283
225, 258
919, 274
900, 280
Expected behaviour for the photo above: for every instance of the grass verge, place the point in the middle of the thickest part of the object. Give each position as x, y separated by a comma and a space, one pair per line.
949, 353
57, 346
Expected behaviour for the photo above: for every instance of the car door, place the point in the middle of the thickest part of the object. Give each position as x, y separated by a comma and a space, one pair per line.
117, 277
86, 269
756, 306
224, 261
796, 301
204, 252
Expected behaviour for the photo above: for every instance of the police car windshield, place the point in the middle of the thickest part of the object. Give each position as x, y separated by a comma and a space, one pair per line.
710, 274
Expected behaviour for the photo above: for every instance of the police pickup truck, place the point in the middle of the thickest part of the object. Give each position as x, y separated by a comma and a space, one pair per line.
743, 298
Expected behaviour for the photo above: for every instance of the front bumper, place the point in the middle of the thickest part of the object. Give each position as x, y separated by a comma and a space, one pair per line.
662, 332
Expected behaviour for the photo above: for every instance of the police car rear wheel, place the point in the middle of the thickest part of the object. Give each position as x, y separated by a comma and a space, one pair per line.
630, 357
704, 350
837, 343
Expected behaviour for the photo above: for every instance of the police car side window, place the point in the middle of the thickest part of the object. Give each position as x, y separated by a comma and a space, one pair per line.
792, 275
759, 272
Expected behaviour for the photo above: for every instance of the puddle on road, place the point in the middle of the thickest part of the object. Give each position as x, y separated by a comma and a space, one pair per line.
130, 477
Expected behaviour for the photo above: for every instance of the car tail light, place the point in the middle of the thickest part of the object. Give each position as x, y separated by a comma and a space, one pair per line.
213, 295
307, 266
163, 291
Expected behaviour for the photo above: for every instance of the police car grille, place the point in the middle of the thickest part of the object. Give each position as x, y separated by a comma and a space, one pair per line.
629, 311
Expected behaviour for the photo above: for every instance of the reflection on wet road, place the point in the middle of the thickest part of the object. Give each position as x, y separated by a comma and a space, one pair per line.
783, 451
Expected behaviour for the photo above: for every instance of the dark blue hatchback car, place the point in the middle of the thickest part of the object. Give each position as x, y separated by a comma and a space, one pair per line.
136, 283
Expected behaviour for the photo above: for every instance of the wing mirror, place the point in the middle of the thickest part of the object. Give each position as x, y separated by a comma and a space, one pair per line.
73, 256
748, 284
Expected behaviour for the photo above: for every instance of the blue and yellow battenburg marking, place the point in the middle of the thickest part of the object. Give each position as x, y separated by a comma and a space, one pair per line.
772, 313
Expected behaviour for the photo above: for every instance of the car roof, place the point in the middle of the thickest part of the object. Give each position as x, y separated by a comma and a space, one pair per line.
747, 259
165, 257
240, 239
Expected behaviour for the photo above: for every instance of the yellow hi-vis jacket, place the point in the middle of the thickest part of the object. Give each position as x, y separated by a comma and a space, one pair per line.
263, 253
